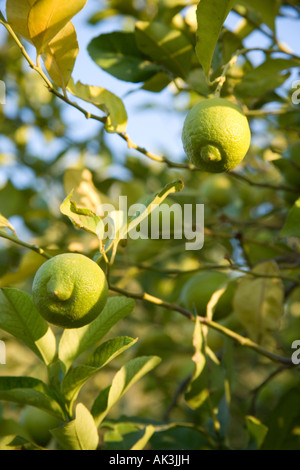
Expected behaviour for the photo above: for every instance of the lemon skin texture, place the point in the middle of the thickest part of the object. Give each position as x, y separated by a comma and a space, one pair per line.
70, 290
216, 135
38, 424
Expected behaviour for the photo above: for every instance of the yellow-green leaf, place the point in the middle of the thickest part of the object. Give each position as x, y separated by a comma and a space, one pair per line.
60, 55
82, 218
85, 193
80, 433
20, 318
211, 15
103, 99
258, 301
4, 223
17, 12
48, 17
291, 227
30, 263
256, 432
143, 441
165, 46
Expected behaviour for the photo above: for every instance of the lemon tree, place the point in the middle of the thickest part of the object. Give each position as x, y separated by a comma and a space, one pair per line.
149, 225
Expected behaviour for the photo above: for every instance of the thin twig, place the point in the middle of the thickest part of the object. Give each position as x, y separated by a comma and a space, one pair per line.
257, 390
213, 267
263, 185
16, 240
241, 340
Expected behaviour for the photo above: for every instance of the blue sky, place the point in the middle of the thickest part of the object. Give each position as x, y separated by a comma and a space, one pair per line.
158, 127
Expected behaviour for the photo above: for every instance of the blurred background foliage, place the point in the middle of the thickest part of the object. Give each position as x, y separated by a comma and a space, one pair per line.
41, 158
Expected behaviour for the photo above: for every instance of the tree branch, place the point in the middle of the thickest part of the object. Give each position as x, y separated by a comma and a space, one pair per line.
241, 340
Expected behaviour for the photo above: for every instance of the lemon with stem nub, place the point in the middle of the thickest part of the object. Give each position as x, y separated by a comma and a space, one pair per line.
216, 135
70, 290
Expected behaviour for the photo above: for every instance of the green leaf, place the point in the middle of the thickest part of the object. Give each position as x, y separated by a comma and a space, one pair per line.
12, 199
85, 193
166, 46
211, 15
199, 357
48, 17
17, 12
157, 83
60, 54
13, 442
106, 352
266, 10
80, 433
128, 375
143, 441
20, 318
30, 391
256, 432
124, 435
283, 423
291, 227
261, 313
207, 390
267, 76
143, 211
117, 53
207, 382
81, 218
230, 43
103, 99
74, 342
29, 264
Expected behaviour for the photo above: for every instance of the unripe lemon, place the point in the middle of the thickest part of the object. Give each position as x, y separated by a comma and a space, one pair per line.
38, 424
216, 135
198, 290
218, 190
70, 290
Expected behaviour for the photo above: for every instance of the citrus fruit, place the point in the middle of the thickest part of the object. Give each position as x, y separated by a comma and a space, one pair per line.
38, 424
198, 290
218, 190
216, 135
70, 290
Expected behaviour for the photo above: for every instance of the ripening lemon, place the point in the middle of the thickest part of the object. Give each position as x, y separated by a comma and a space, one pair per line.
216, 135
70, 290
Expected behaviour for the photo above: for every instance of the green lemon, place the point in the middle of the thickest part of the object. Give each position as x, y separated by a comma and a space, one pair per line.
70, 290
218, 190
216, 135
38, 424
197, 292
